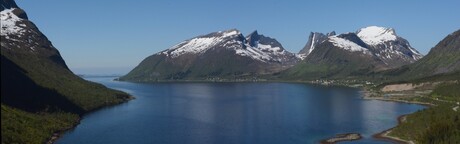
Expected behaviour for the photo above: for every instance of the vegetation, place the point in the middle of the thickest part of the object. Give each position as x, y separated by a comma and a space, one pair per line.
437, 124
46, 73
40, 95
44, 97
216, 66
22, 127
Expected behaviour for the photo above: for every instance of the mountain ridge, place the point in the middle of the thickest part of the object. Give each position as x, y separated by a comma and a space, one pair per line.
217, 55
443, 58
348, 55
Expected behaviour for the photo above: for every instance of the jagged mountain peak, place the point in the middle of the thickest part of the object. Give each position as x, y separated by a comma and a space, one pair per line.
253, 37
314, 39
254, 33
7, 4
255, 46
374, 35
331, 33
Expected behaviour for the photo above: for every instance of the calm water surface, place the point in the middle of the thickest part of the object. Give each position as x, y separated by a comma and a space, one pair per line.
234, 113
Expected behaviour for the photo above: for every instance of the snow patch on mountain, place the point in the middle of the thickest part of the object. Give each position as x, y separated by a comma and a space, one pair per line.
8, 23
253, 53
199, 44
270, 49
301, 56
374, 35
264, 52
230, 33
347, 45
196, 45
416, 55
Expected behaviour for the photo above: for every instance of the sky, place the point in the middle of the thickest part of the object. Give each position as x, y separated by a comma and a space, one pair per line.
114, 36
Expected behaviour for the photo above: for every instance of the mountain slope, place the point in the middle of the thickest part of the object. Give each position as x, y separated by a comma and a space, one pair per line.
35, 78
351, 55
215, 56
26, 49
443, 59
337, 57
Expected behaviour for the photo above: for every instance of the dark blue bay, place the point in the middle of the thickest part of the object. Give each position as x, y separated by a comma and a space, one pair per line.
234, 113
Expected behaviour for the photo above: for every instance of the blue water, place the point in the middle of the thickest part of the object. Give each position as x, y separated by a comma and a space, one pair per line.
234, 113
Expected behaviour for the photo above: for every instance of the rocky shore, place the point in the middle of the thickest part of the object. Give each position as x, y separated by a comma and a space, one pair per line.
342, 137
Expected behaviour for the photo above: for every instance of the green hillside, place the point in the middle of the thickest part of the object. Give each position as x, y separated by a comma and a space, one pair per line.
39, 94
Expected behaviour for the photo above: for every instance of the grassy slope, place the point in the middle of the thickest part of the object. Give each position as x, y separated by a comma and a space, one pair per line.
38, 81
444, 58
214, 64
20, 126
437, 124
330, 62
28, 128
86, 95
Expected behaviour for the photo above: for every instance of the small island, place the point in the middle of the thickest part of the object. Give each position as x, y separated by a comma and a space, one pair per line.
342, 137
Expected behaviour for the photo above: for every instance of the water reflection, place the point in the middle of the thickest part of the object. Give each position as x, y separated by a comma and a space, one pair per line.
232, 113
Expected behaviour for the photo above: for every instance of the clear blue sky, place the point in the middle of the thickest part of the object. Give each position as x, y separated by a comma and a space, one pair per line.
113, 36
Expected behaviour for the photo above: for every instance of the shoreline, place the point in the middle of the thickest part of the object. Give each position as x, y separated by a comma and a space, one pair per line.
397, 100
384, 134
59, 133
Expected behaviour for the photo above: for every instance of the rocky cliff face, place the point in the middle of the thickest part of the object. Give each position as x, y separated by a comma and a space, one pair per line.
314, 39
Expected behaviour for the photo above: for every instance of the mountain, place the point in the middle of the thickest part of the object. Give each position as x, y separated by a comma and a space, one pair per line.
395, 51
314, 39
351, 54
35, 81
443, 59
218, 55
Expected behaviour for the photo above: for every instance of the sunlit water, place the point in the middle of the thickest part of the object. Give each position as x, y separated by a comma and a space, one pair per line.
234, 113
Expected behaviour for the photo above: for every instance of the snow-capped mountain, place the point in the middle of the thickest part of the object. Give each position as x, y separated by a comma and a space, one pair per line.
223, 53
381, 42
389, 47
272, 48
351, 54
255, 46
18, 34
